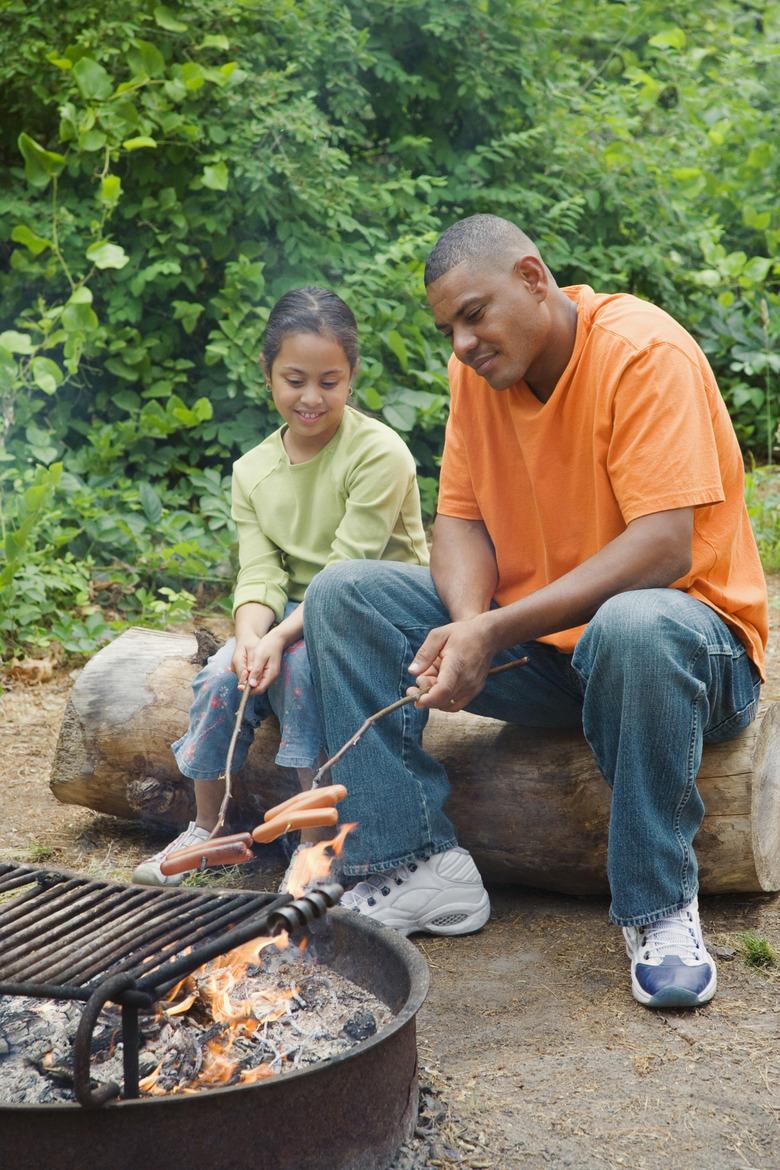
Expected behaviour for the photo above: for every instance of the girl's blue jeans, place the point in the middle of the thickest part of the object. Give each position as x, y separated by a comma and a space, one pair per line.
655, 675
201, 753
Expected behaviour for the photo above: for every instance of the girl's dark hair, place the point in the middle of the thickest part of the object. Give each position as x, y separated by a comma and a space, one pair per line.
311, 310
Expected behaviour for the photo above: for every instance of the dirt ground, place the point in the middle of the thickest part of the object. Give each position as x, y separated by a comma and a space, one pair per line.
533, 1052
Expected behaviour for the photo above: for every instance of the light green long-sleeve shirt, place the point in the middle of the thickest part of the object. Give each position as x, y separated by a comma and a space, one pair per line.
357, 499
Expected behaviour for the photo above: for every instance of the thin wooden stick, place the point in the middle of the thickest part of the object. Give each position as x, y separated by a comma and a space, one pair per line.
386, 711
229, 764
342, 750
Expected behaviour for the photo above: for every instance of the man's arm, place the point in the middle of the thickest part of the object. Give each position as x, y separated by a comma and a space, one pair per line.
463, 566
652, 552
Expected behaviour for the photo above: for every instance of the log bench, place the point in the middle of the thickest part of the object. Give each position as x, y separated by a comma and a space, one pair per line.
530, 805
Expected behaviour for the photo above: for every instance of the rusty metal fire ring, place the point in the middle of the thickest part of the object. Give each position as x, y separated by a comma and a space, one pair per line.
350, 1112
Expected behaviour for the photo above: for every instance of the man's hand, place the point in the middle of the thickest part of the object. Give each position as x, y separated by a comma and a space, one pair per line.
258, 661
452, 664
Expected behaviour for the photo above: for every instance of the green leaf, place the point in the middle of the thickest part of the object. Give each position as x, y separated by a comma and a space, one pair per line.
400, 416
16, 342
167, 20
79, 318
398, 346
92, 79
192, 74
669, 38
92, 140
141, 142
760, 156
40, 165
151, 503
35, 244
47, 375
110, 190
214, 41
105, 255
215, 176
760, 220
145, 58
756, 270
372, 398
188, 313
81, 296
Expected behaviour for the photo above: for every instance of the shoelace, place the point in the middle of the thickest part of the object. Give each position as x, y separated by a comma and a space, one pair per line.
369, 887
188, 837
675, 935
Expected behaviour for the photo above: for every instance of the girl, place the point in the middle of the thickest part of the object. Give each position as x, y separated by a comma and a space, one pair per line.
329, 485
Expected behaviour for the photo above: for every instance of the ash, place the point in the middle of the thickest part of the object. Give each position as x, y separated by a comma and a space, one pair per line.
223, 1025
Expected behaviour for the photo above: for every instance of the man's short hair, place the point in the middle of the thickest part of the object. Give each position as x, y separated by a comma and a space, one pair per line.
478, 237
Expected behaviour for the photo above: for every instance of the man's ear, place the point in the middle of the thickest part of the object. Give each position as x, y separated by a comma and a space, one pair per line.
531, 270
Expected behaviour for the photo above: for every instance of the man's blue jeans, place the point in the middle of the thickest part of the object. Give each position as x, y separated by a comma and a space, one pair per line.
655, 675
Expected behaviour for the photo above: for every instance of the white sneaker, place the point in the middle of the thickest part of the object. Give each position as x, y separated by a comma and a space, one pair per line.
670, 964
148, 873
443, 895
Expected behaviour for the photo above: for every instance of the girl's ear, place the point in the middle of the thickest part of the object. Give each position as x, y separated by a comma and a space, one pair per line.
266, 371
353, 373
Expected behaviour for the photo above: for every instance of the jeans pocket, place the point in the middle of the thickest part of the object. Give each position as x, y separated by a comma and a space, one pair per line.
737, 720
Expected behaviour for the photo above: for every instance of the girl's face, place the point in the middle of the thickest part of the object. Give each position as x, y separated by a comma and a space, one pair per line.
310, 383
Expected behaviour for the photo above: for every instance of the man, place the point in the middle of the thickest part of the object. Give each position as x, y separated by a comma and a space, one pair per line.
591, 516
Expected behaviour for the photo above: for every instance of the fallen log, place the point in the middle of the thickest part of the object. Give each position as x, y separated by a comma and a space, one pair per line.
530, 805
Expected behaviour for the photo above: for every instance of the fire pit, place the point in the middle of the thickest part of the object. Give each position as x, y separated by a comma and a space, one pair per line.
350, 1112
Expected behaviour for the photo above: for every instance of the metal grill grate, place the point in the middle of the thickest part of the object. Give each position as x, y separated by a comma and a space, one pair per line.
63, 936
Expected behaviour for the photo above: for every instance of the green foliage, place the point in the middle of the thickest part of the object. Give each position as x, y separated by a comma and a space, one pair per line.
762, 493
163, 183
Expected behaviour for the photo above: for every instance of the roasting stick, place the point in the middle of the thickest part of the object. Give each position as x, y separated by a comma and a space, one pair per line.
412, 698
326, 767
229, 764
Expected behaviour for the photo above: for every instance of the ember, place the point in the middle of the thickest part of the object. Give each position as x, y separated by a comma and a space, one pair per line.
257, 1012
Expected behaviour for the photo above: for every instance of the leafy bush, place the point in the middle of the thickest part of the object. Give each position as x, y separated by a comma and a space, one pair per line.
164, 182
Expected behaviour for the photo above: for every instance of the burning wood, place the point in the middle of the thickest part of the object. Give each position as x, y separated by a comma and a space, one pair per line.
259, 1011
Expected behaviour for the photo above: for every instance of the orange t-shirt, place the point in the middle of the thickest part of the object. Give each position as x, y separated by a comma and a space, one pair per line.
635, 425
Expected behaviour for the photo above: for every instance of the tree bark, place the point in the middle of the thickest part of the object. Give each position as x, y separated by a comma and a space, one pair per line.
529, 805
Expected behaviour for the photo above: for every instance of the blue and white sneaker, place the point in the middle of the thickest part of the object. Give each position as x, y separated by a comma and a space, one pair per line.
670, 965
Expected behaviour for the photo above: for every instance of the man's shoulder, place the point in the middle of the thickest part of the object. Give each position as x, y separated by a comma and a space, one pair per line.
629, 322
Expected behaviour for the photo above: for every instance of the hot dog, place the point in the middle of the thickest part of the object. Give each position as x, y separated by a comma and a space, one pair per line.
313, 798
218, 852
295, 819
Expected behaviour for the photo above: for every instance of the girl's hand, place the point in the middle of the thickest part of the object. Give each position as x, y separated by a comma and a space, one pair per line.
258, 661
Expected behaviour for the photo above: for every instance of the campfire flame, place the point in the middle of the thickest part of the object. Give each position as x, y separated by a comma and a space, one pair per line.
314, 862
216, 989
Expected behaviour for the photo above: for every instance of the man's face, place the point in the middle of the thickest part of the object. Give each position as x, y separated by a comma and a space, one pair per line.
496, 317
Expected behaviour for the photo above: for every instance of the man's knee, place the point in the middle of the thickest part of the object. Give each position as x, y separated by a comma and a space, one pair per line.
338, 582
364, 582
639, 623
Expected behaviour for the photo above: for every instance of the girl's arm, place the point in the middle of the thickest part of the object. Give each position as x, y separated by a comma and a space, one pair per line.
379, 488
265, 659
